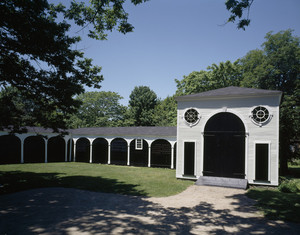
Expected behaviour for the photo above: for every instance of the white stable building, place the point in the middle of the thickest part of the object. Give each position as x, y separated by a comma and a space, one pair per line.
230, 132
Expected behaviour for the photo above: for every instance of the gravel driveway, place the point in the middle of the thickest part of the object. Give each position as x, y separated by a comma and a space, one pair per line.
198, 210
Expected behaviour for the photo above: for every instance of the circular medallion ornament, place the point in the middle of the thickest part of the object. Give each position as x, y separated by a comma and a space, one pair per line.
191, 116
260, 115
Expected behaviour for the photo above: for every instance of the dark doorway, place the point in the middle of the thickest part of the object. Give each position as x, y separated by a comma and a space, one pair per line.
161, 153
261, 162
139, 153
10, 149
118, 152
100, 151
83, 150
56, 149
34, 149
189, 158
224, 146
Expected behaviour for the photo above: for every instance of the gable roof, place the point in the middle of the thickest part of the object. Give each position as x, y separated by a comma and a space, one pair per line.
148, 131
231, 91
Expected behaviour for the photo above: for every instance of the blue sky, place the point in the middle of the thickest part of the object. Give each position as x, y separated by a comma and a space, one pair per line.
172, 38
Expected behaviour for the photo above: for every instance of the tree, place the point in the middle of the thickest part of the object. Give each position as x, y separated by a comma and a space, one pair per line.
277, 67
165, 112
98, 109
216, 76
237, 9
38, 62
141, 106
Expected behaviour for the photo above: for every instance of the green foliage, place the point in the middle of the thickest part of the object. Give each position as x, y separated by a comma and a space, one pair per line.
277, 67
216, 76
141, 106
101, 16
290, 186
98, 109
38, 62
165, 112
237, 9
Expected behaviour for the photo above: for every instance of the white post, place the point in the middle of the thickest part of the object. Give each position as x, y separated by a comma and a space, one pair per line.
66, 150
91, 153
109, 150
70, 148
172, 157
149, 157
128, 154
74, 151
22, 150
46, 150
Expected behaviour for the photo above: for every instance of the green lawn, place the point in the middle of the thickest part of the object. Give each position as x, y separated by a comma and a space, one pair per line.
276, 204
152, 182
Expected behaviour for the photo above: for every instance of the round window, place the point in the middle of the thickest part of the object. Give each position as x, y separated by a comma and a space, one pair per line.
260, 115
191, 116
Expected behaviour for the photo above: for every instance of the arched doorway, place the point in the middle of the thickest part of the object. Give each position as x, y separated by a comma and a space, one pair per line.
161, 153
83, 150
10, 149
56, 149
118, 152
100, 151
139, 152
224, 146
34, 149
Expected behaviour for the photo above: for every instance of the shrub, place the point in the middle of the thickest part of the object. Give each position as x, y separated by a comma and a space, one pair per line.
290, 186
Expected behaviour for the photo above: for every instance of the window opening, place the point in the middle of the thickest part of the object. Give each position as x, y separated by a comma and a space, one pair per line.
260, 115
139, 144
192, 117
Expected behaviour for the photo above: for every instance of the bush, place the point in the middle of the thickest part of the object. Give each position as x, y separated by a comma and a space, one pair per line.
290, 186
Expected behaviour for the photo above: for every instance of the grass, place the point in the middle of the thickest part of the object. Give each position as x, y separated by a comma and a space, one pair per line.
276, 203
152, 182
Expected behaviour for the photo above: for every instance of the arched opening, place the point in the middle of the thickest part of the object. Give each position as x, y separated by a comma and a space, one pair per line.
34, 149
56, 149
139, 152
83, 150
71, 150
224, 146
10, 149
100, 151
161, 153
118, 152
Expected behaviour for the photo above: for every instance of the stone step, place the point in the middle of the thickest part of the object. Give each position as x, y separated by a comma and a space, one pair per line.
222, 182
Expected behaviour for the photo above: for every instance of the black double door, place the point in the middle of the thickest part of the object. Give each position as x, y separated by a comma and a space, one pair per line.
224, 147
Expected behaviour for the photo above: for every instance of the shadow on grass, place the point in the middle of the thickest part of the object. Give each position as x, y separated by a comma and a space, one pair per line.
276, 204
68, 211
16, 181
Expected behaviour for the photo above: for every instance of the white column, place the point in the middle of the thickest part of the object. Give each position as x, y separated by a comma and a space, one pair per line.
75, 140
91, 152
109, 150
172, 157
70, 148
128, 154
66, 150
22, 150
46, 150
149, 157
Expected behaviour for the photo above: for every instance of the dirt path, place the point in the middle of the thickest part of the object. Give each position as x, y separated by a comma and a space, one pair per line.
198, 210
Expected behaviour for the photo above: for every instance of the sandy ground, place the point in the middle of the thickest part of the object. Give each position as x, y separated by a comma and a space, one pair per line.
198, 210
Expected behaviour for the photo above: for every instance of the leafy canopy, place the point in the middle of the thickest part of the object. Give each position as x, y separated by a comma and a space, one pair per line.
40, 71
